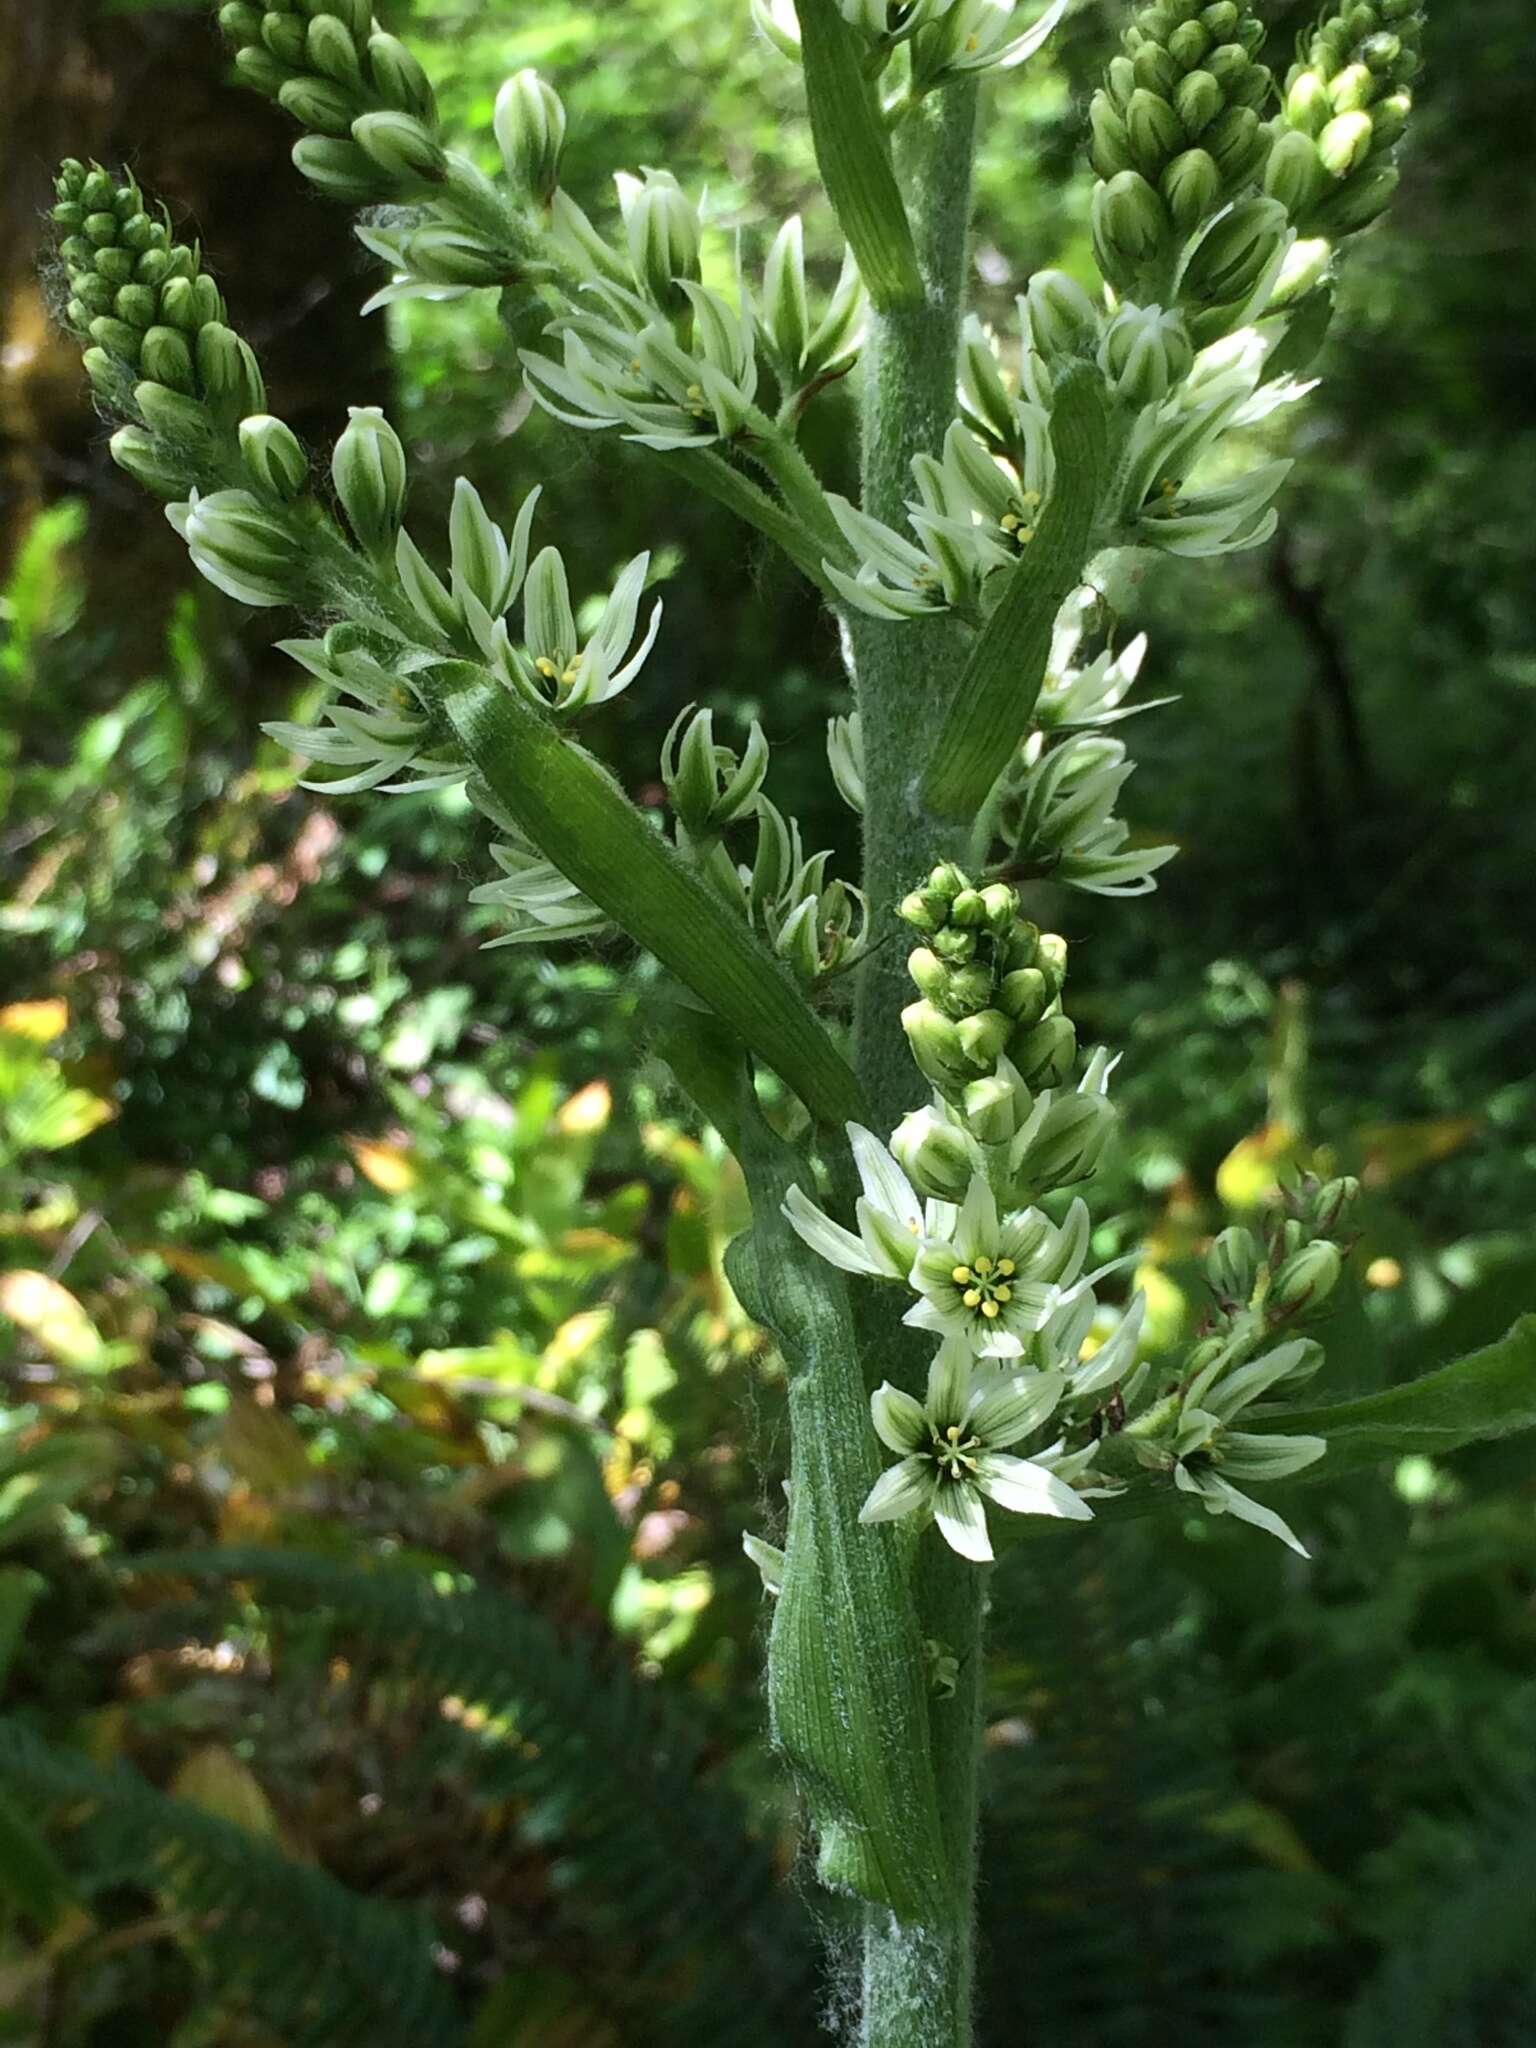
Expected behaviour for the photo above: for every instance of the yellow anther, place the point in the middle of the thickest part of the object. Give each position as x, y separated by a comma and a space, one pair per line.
983, 1265
990, 1308
1002, 1294
1007, 1268
972, 1297
695, 390
573, 671
961, 1276
953, 1432
1029, 499
1011, 522
546, 667
1024, 536
972, 43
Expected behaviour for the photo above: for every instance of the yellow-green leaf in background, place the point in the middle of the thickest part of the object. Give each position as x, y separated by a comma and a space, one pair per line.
1390, 1150
53, 1319
214, 1780
1256, 1165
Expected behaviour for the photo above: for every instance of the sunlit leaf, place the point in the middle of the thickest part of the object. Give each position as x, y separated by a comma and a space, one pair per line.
1256, 1165
387, 1167
42, 1021
1391, 1150
53, 1318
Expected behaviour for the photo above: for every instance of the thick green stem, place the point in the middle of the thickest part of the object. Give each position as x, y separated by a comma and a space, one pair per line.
917, 1978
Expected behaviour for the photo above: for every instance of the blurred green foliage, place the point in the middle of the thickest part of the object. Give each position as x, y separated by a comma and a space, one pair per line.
324, 1232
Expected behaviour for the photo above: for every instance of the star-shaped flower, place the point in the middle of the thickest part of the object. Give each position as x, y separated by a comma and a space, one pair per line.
995, 1280
953, 1451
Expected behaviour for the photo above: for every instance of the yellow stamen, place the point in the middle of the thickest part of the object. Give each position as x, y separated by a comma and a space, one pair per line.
546, 667
983, 1265
961, 1276
972, 1297
1002, 1294
1007, 1268
990, 1308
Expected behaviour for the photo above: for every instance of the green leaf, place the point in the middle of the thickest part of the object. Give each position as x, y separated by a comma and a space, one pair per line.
577, 815
1001, 683
1489, 1394
20, 1590
847, 1682
31, 1876
854, 155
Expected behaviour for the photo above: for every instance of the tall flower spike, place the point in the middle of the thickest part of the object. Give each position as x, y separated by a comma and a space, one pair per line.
1332, 161
954, 1450
1177, 136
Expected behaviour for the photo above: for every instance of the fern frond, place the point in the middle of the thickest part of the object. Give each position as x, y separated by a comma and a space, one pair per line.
282, 1942
1106, 1824
609, 1776
1466, 1977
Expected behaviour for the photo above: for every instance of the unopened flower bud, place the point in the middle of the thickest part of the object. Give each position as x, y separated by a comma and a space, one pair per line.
935, 1043
1051, 959
662, 227
1046, 1053
1333, 1199
273, 455
1131, 228
710, 788
997, 1106
955, 944
370, 473
317, 103
969, 990
145, 459
1232, 1266
530, 129
1144, 354
1197, 100
1345, 144
1153, 131
786, 305
938, 1159
1001, 903
1360, 200
946, 881
239, 546
400, 80
1025, 995
1233, 254
1307, 1277
228, 373
1069, 1143
919, 911
339, 169
984, 1037
190, 303
1110, 150
1191, 188
1063, 320
401, 146
170, 414
448, 255
1293, 172
968, 909
166, 359
929, 973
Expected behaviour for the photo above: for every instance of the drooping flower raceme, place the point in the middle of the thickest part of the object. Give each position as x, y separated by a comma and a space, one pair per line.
954, 1451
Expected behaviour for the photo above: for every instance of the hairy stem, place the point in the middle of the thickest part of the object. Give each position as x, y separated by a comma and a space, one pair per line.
917, 1979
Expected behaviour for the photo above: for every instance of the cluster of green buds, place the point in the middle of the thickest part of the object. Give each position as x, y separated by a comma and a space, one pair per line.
1260, 1282
990, 986
366, 99
942, 39
1346, 108
1177, 136
159, 349
375, 137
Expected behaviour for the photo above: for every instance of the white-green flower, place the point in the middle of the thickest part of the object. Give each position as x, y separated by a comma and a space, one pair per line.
373, 727
1061, 815
994, 1280
1210, 1455
891, 1218
542, 905
953, 1447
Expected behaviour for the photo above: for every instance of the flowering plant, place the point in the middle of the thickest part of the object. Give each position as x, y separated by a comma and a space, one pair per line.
907, 1033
